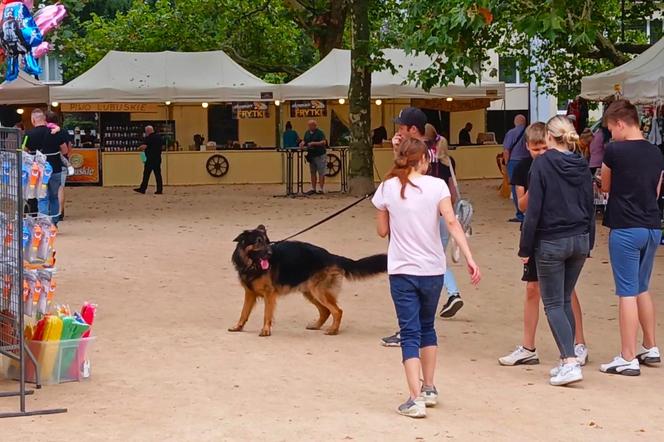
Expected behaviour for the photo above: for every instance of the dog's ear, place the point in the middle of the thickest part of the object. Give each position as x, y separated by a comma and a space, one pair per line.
261, 228
239, 237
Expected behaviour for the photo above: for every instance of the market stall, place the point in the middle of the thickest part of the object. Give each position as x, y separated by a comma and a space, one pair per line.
19, 97
640, 80
321, 93
182, 95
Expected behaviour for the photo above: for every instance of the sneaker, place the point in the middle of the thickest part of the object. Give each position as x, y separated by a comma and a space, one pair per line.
413, 408
568, 374
581, 352
621, 366
159, 192
430, 395
514, 220
452, 306
649, 356
139, 191
392, 341
321, 192
555, 370
520, 356
311, 192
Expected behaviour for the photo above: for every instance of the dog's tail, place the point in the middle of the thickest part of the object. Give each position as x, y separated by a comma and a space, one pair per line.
363, 268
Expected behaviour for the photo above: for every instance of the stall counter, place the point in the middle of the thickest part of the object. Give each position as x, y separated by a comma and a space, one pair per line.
189, 168
472, 162
267, 166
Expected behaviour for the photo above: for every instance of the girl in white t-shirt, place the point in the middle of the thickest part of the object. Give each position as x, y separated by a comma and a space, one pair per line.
409, 204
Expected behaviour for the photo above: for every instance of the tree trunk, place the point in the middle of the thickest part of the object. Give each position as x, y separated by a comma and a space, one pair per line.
361, 152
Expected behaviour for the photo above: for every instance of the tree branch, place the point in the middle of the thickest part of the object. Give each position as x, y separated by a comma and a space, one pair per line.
609, 51
632, 48
257, 66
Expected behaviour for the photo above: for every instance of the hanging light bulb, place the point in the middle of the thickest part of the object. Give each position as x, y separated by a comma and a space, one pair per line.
55, 104
449, 99
379, 102
20, 111
277, 103
342, 100
205, 105
168, 103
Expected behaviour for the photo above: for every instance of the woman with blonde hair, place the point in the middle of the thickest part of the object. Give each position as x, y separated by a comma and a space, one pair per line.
559, 231
409, 207
441, 166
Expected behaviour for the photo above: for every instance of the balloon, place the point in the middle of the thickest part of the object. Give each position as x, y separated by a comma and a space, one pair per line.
41, 50
22, 34
49, 17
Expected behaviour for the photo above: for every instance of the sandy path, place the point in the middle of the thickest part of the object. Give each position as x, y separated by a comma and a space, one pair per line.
164, 367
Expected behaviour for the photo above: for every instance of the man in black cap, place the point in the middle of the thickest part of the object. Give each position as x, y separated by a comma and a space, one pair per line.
412, 122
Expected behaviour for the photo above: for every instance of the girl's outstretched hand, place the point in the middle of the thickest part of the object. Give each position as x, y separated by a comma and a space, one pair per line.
475, 274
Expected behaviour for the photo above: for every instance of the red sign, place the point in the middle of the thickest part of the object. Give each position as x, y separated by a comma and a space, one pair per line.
86, 166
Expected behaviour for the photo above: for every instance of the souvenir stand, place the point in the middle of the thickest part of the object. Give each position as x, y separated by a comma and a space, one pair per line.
12, 325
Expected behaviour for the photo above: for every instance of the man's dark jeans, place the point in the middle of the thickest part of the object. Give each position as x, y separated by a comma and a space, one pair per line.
150, 167
559, 264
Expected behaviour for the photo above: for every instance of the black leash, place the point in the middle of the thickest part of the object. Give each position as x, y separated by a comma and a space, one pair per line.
334, 215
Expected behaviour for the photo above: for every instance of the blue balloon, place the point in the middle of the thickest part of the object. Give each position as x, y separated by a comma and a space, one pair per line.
18, 35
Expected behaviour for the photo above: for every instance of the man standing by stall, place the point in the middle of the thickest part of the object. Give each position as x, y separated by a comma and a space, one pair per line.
515, 151
315, 143
152, 145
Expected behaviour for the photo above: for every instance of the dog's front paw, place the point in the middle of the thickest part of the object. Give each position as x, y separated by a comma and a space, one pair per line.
237, 328
315, 325
265, 332
332, 331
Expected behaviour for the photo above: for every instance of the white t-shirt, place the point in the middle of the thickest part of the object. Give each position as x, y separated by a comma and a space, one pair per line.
415, 246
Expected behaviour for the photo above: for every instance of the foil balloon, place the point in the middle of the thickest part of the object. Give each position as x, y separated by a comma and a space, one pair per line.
18, 35
49, 17
22, 34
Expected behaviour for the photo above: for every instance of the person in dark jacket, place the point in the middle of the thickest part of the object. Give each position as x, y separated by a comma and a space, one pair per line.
559, 231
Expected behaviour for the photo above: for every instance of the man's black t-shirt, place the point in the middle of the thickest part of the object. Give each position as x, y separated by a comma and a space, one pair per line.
154, 144
464, 137
310, 137
636, 167
40, 138
521, 173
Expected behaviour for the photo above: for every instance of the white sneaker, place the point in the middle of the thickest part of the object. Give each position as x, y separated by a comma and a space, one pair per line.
568, 374
555, 370
649, 356
621, 366
413, 408
430, 396
581, 352
520, 356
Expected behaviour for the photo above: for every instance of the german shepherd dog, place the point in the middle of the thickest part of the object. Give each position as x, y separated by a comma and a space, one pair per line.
268, 270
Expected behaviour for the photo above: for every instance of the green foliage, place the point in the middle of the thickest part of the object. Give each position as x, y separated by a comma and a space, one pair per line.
558, 41
257, 33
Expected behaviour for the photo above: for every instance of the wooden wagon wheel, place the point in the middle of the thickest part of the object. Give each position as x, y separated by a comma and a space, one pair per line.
217, 166
333, 165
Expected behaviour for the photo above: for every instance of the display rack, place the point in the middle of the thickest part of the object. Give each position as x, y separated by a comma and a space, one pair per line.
128, 136
12, 326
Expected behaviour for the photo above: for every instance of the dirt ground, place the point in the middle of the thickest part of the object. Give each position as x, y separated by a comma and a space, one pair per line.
164, 368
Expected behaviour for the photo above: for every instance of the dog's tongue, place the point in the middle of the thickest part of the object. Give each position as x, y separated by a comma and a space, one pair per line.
265, 264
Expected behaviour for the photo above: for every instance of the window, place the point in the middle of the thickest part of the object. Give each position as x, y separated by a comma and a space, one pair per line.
507, 70
656, 30
51, 69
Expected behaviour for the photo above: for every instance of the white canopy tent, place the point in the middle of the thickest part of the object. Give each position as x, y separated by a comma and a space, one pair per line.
641, 80
153, 77
24, 90
330, 79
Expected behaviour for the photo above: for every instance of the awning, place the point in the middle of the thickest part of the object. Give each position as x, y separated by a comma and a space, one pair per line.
154, 77
24, 90
330, 79
640, 80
